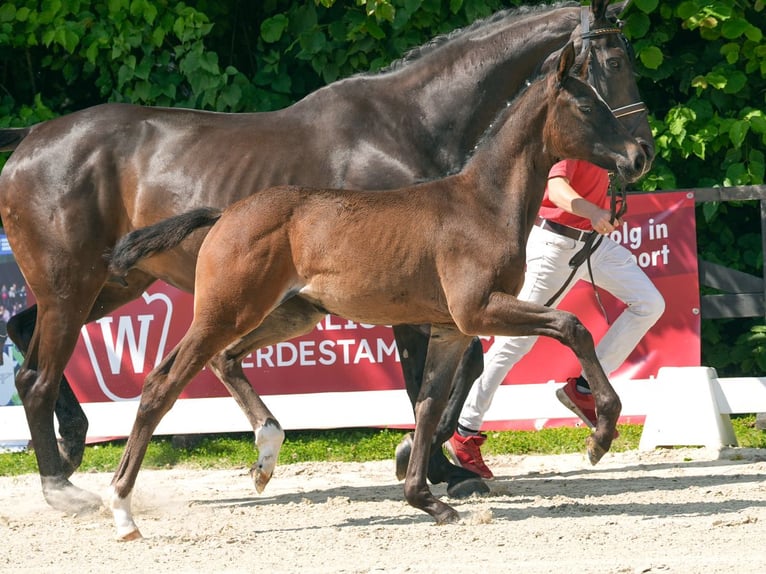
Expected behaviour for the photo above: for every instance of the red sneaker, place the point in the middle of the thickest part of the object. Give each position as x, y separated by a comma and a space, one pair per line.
581, 404
465, 452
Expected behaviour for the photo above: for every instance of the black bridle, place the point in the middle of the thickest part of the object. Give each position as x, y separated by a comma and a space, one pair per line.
587, 35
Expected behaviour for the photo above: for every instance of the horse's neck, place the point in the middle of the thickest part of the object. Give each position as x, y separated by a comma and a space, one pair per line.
463, 84
453, 92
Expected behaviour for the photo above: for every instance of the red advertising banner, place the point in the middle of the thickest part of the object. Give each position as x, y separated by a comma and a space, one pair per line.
115, 353
659, 229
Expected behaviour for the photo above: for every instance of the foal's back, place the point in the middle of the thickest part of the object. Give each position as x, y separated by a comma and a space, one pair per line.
369, 256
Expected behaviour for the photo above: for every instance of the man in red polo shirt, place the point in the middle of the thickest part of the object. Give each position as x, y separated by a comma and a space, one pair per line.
576, 204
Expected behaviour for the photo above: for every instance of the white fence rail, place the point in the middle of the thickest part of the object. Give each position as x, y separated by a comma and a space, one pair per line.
683, 406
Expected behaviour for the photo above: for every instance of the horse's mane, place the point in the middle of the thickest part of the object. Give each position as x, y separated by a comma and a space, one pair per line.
438, 41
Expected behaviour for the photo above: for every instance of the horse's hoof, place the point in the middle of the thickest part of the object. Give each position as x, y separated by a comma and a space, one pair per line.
448, 516
403, 451
595, 450
467, 487
62, 495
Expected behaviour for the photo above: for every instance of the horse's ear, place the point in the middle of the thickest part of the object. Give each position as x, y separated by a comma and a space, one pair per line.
566, 61
617, 9
598, 9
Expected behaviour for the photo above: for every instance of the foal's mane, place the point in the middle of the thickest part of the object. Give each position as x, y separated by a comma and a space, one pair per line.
432, 45
500, 118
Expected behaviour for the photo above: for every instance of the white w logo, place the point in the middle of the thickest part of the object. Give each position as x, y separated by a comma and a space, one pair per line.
137, 345
125, 329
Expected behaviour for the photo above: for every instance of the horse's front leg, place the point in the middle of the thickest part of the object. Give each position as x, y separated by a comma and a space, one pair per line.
445, 350
505, 315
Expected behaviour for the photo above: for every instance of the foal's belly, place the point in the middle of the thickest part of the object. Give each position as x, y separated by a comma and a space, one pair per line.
378, 307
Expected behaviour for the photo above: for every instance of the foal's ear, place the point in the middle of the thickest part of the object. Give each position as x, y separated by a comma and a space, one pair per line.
566, 61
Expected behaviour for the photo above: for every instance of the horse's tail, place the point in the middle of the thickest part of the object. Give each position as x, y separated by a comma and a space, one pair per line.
11, 137
157, 238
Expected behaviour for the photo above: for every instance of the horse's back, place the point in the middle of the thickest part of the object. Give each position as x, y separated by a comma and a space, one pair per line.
149, 162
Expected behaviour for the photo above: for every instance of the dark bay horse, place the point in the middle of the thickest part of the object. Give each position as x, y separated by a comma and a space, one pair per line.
342, 252
75, 184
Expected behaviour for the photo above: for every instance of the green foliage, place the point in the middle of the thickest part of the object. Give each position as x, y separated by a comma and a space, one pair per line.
703, 74
702, 66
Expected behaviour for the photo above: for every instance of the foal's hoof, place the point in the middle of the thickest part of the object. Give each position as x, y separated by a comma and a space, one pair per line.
467, 487
62, 495
260, 477
595, 450
132, 535
402, 456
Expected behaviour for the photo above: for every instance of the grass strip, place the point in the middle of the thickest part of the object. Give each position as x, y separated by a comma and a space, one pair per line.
342, 445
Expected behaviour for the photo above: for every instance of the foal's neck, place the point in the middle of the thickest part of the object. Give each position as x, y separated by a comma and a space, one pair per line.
510, 166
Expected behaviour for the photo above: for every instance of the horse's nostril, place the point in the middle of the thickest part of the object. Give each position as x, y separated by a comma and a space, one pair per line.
640, 163
647, 149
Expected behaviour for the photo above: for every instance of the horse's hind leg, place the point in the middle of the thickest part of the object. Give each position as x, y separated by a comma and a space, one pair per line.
73, 424
412, 343
72, 421
38, 382
445, 351
293, 318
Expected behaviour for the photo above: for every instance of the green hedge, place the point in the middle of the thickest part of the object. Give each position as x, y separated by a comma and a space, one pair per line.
702, 66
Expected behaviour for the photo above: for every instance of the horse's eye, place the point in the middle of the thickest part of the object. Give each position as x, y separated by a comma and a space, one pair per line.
614, 63
585, 108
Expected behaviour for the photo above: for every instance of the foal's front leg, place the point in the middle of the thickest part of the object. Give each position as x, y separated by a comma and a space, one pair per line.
412, 343
505, 315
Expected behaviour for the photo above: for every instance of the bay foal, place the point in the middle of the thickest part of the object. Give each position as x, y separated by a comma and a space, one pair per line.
343, 252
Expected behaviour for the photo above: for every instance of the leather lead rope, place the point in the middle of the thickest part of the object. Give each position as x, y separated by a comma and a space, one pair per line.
617, 208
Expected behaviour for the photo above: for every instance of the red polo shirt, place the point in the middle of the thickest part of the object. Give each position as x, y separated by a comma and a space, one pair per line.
590, 181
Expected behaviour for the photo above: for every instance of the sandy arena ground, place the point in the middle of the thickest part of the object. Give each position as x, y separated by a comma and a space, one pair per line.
683, 510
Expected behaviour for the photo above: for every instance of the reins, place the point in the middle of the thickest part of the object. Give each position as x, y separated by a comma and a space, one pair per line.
618, 198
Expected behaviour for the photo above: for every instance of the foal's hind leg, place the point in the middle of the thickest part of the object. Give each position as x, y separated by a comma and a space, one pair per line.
161, 388
216, 326
294, 318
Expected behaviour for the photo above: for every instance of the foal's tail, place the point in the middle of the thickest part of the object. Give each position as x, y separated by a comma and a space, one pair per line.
11, 137
157, 238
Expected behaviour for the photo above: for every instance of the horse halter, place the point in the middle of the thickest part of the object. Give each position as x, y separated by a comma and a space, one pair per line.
587, 34
618, 198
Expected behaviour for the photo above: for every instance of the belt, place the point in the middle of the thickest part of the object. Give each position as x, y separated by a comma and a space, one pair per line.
558, 228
